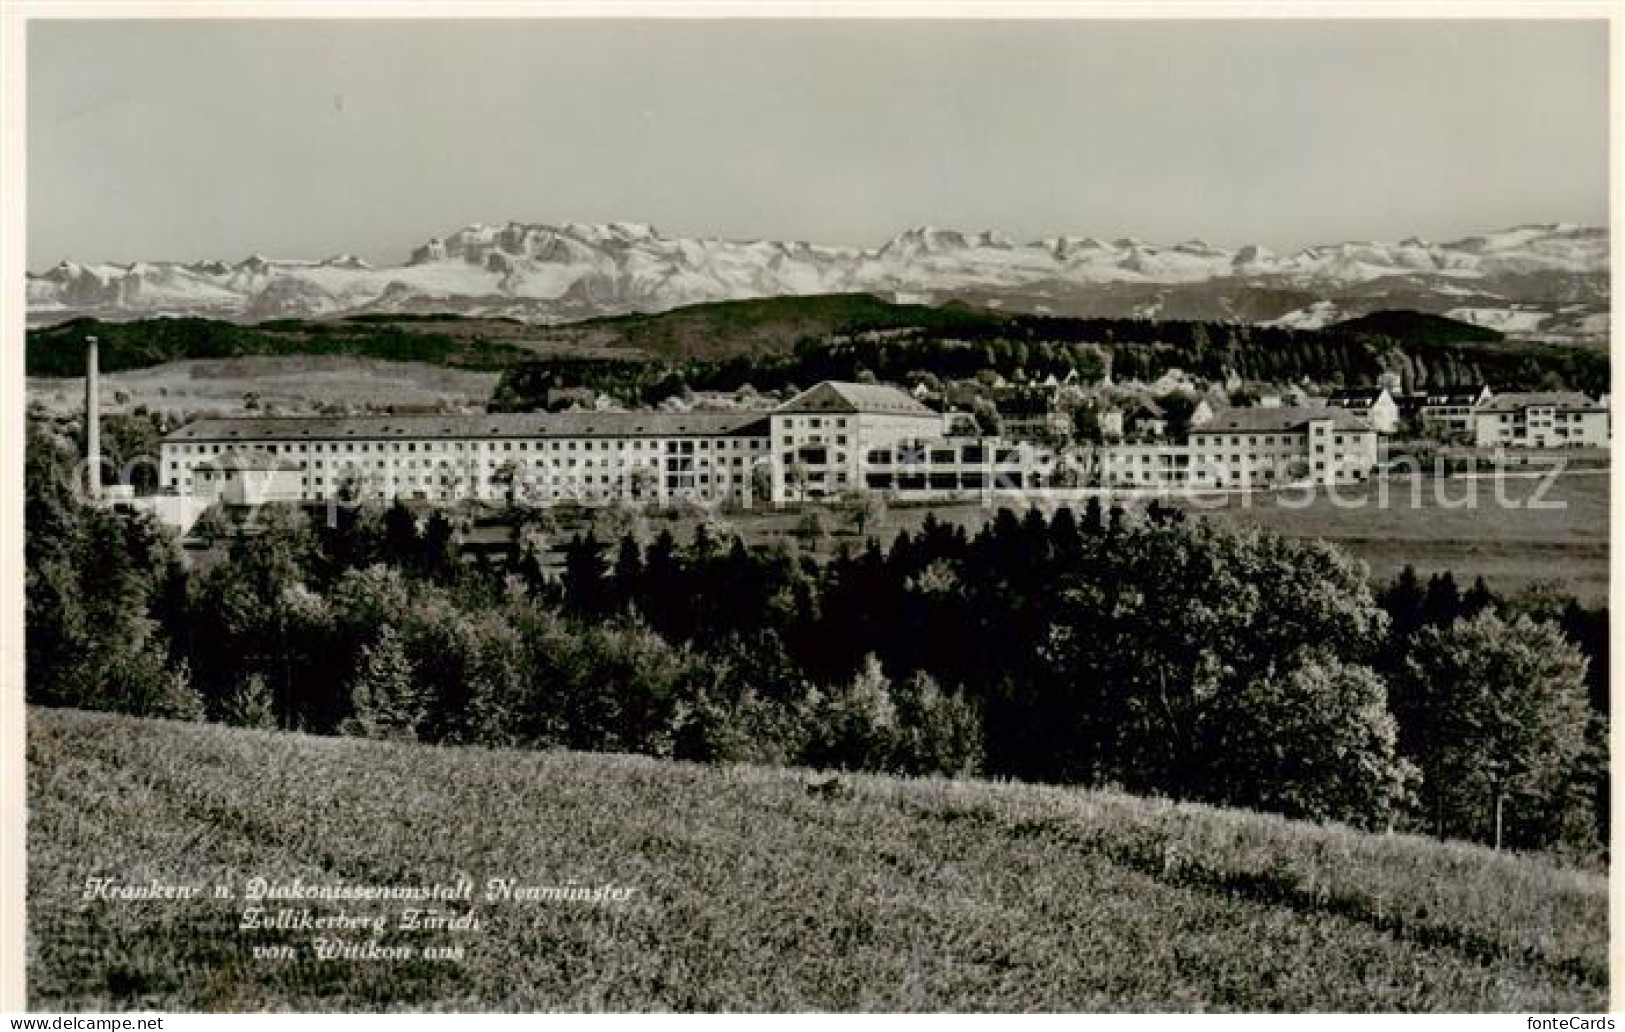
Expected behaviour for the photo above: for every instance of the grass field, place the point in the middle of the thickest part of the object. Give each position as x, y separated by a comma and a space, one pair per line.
1511, 546
748, 892
297, 384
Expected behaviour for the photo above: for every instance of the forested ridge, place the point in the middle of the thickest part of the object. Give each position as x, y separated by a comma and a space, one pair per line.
797, 341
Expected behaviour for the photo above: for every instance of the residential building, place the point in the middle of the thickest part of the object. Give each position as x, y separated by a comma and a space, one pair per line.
1110, 422
1446, 412
1563, 419
1375, 405
1032, 415
1148, 420
1251, 447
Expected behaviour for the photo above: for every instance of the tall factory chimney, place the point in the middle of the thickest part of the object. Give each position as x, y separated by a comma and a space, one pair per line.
93, 421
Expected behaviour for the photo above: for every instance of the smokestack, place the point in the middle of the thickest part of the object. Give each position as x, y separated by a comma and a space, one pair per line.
93, 420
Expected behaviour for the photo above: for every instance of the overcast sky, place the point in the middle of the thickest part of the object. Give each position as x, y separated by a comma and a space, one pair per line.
185, 140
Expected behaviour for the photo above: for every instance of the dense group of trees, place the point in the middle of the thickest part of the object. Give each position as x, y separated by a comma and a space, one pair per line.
59, 350
1161, 655
1039, 346
781, 342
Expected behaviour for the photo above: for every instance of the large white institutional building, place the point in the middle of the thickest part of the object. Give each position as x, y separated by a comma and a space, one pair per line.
1251, 448
834, 439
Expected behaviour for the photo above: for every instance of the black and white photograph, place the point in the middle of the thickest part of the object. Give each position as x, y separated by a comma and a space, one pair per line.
1019, 511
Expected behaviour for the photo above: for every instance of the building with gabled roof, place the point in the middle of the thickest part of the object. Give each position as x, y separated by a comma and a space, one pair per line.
820, 443
1548, 419
1375, 405
1445, 411
1251, 448
1148, 419
820, 437
844, 396
1277, 420
1031, 414
248, 477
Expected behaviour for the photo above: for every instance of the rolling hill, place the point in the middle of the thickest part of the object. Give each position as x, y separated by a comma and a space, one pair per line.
760, 340
1416, 328
767, 326
738, 889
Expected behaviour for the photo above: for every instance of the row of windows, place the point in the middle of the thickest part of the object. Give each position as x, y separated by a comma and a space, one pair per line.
1217, 440
735, 444
722, 479
1557, 431
1534, 414
814, 422
1254, 456
1221, 473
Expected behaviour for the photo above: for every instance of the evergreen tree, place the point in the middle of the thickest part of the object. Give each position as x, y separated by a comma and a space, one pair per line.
249, 704
401, 544
1094, 517
176, 699
628, 571
437, 550
585, 576
385, 699
1442, 605
1478, 599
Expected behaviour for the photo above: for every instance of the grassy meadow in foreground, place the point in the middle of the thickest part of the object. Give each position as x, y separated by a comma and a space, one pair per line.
753, 893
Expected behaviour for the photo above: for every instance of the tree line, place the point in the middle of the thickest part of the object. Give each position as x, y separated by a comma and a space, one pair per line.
1144, 651
1035, 347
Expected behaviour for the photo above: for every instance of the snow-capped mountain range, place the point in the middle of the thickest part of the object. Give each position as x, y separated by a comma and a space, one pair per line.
1532, 280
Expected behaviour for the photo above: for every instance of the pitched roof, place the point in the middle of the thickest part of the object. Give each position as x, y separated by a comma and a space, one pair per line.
840, 396
1355, 397
1453, 394
1544, 399
494, 424
1277, 420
